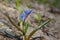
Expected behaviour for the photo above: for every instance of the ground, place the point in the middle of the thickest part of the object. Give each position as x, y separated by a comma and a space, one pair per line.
53, 26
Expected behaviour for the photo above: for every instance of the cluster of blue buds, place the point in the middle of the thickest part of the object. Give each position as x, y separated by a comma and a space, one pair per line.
24, 13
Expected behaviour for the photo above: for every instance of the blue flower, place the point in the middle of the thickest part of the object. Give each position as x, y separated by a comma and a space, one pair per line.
26, 11
22, 16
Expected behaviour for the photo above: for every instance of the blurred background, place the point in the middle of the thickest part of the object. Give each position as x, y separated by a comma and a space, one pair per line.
45, 8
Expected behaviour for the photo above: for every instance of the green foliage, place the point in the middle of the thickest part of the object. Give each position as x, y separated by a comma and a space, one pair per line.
22, 11
30, 6
42, 25
26, 27
24, 24
39, 27
20, 22
17, 4
38, 18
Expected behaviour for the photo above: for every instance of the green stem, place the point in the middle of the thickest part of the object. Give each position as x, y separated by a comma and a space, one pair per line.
42, 25
24, 37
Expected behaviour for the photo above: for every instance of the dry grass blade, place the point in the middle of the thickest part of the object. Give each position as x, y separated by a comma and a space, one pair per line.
13, 23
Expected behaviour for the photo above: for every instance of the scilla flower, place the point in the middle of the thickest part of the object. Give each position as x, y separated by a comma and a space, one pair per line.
22, 16
24, 13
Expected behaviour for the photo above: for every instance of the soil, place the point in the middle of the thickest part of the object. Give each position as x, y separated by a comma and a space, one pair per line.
43, 10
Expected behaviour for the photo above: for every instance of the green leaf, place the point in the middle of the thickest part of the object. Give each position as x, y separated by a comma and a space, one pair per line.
36, 29
17, 4
26, 27
22, 11
30, 6
38, 18
20, 22
44, 23
13, 23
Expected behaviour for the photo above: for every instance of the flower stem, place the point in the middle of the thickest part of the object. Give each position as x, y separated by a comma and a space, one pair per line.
25, 38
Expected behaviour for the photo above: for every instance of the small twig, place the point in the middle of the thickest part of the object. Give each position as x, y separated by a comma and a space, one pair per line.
52, 35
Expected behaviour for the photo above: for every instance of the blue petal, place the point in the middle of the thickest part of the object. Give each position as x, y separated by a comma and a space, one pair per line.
27, 11
22, 16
